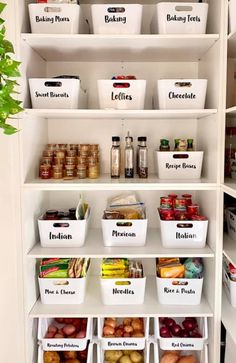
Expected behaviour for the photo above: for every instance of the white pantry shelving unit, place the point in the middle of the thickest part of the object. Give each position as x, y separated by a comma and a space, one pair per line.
149, 57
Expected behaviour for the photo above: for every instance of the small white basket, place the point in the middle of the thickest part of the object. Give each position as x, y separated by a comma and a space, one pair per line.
56, 19
231, 222
180, 18
123, 291
100, 353
183, 234
202, 355
124, 232
122, 343
57, 233
62, 291
122, 94
181, 94
232, 19
57, 93
117, 19
179, 165
89, 356
62, 344
179, 291
230, 288
177, 343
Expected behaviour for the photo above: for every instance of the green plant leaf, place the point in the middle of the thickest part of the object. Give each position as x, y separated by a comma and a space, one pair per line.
7, 46
2, 7
8, 129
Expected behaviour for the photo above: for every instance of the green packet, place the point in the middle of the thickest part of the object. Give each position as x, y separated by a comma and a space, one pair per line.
54, 261
54, 270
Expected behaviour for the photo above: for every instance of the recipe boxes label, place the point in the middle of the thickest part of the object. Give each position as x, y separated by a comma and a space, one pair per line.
179, 165
124, 232
179, 291
121, 94
117, 19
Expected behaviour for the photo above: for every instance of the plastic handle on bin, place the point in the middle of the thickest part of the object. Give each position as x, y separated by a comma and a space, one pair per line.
61, 225
183, 84
61, 283
184, 225
124, 283
49, 9
183, 8
124, 224
115, 10
121, 85
180, 156
53, 84
179, 283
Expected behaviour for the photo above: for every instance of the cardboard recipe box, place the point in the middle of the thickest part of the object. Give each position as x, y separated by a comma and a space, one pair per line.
124, 232
183, 234
231, 222
101, 358
117, 18
54, 93
180, 18
121, 94
89, 356
58, 233
122, 343
62, 344
179, 291
230, 288
201, 355
179, 165
56, 19
177, 343
181, 94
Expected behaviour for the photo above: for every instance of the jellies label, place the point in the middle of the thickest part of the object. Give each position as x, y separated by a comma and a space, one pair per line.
183, 19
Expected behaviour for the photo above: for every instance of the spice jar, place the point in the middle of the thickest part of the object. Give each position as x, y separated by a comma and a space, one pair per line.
94, 147
84, 147
59, 161
45, 171
81, 160
57, 172
60, 154
71, 153
51, 147
46, 160
93, 168
48, 153
69, 171
70, 160
81, 171
51, 215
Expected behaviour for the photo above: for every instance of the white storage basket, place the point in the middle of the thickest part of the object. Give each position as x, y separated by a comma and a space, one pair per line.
180, 18
58, 233
117, 19
62, 291
231, 222
232, 18
183, 234
179, 291
122, 343
124, 232
181, 94
123, 291
89, 356
202, 355
57, 93
122, 94
100, 354
56, 19
177, 343
230, 288
179, 165
62, 344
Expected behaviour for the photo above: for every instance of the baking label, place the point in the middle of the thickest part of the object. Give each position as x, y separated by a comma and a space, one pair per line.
185, 235
187, 96
60, 236
115, 19
180, 166
116, 291
182, 345
52, 19
123, 234
121, 344
59, 292
63, 345
121, 96
183, 19
179, 291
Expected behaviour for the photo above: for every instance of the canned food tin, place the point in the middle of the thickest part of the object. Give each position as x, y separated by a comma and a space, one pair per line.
180, 203
166, 202
198, 218
167, 214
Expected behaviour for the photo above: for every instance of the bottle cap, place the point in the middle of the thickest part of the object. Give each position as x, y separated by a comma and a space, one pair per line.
164, 142
142, 138
115, 138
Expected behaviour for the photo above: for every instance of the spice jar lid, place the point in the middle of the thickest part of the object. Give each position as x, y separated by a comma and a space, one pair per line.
142, 138
115, 138
51, 212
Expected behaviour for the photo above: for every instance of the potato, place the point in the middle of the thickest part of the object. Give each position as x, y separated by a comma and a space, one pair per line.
169, 358
137, 324
127, 352
136, 357
125, 359
51, 357
119, 333
187, 359
59, 336
81, 334
52, 329
70, 355
69, 329
49, 335
113, 355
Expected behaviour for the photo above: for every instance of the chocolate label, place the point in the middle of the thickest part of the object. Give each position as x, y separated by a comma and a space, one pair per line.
187, 96
183, 19
115, 19
52, 19
121, 96
180, 166
123, 234
51, 95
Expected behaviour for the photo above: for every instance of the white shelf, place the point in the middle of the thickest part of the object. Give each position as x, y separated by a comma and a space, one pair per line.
94, 307
94, 248
228, 316
229, 187
120, 114
106, 183
231, 112
229, 249
232, 45
149, 47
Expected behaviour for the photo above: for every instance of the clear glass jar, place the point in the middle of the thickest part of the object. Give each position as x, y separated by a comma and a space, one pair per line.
45, 171
81, 171
60, 154
81, 160
70, 160
57, 172
69, 171
59, 161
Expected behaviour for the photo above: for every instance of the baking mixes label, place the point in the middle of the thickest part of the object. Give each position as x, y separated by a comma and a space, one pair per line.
183, 19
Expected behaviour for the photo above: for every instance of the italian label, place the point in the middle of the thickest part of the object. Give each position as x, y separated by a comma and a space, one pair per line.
121, 345
123, 234
185, 236
121, 96
182, 96
180, 166
59, 292
179, 291
59, 236
51, 94
115, 19
182, 19
126, 291
52, 19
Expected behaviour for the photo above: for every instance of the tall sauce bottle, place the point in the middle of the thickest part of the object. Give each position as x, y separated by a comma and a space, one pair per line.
115, 157
129, 157
142, 157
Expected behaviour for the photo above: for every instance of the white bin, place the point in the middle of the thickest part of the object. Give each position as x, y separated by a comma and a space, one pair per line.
100, 353
124, 232
57, 93
123, 291
56, 18
122, 94
231, 222
89, 356
179, 291
117, 19
232, 18
230, 288
62, 233
177, 343
183, 234
181, 94
179, 165
122, 343
62, 344
180, 18
201, 355
62, 291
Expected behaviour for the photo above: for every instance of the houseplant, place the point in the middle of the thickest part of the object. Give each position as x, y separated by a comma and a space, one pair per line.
9, 72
